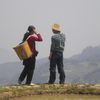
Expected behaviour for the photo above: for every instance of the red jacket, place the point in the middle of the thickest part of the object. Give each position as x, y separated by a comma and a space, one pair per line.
31, 41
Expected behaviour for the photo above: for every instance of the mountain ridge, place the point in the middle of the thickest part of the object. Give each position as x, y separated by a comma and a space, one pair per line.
81, 68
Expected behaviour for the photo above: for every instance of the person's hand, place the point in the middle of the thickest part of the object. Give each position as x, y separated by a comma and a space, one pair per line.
50, 56
35, 32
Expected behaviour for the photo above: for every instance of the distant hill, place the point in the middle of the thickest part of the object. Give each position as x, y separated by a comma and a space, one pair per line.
81, 68
9, 72
88, 54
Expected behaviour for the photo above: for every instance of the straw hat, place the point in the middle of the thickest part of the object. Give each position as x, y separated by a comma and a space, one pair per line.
56, 27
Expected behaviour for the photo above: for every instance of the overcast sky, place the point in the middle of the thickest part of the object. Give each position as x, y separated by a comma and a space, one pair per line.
79, 20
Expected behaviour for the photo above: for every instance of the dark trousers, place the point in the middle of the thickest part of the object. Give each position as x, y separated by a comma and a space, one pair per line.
29, 66
56, 59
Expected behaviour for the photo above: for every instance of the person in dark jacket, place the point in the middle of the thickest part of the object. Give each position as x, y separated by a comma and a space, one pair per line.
29, 64
56, 55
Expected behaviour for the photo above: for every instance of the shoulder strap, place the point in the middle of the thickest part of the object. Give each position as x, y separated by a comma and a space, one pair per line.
33, 42
29, 37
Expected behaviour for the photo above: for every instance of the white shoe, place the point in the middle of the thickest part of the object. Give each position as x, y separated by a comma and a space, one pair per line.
32, 84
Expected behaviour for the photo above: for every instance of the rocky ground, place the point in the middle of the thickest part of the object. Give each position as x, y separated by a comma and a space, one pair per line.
12, 91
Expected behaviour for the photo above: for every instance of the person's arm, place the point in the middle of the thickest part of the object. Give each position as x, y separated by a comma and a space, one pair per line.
37, 37
52, 44
51, 49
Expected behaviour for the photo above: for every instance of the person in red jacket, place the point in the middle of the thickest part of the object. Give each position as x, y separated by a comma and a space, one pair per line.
29, 64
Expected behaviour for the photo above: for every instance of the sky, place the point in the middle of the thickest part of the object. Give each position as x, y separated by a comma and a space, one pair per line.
79, 21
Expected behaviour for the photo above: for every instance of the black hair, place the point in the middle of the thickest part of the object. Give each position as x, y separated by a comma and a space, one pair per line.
55, 31
30, 28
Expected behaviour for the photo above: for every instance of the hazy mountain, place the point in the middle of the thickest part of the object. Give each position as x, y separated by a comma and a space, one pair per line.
9, 72
88, 54
81, 68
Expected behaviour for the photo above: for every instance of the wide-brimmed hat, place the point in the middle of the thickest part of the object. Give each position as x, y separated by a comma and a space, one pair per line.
56, 27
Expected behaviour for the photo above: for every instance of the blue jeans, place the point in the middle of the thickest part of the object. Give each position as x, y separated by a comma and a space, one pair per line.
56, 59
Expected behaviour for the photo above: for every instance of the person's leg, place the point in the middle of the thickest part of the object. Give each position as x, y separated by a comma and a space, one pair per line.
30, 72
61, 69
23, 74
52, 70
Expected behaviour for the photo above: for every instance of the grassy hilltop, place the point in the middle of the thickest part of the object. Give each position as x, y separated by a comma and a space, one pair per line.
12, 91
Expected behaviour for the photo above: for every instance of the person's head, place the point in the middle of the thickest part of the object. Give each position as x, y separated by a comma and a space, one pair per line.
31, 28
56, 28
